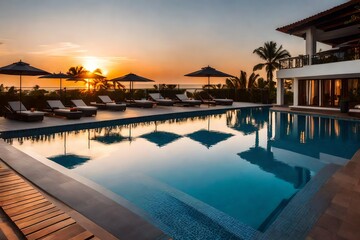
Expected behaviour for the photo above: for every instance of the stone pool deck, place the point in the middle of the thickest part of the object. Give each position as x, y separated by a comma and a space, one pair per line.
131, 114
341, 220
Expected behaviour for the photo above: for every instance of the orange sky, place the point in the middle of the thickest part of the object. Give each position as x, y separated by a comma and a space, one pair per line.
161, 40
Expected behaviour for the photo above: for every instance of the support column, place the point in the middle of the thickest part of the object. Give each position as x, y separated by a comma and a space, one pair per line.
320, 92
280, 92
296, 91
310, 42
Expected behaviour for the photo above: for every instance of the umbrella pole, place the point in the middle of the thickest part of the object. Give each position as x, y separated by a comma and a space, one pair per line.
208, 90
60, 92
131, 90
20, 94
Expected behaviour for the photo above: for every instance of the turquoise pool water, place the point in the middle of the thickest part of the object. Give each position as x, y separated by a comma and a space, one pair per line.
204, 177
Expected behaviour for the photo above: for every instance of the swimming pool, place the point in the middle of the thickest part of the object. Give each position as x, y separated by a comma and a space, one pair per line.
204, 176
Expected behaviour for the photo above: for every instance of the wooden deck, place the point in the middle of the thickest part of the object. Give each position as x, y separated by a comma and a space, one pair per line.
34, 215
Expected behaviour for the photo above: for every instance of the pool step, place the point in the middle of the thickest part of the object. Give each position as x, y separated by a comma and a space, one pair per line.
34, 215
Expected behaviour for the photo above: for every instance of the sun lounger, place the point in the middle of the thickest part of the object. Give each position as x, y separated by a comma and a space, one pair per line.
160, 100
222, 101
140, 103
58, 109
184, 100
209, 99
87, 111
107, 103
14, 112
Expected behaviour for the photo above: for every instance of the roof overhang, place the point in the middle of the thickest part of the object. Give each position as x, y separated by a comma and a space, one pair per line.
334, 26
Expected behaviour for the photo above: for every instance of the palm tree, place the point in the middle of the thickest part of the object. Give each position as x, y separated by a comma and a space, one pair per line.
214, 86
248, 82
243, 81
271, 54
235, 83
73, 71
262, 83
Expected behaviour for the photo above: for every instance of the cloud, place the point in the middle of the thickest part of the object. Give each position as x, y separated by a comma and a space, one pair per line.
59, 49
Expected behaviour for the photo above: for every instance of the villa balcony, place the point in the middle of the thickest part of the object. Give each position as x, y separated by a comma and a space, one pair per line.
330, 56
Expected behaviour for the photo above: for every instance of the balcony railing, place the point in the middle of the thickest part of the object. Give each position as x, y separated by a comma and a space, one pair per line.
330, 56
294, 62
336, 55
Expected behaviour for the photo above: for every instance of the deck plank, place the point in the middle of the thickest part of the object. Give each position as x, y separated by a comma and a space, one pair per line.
13, 191
17, 211
34, 199
9, 178
27, 222
5, 173
11, 182
83, 235
34, 215
13, 186
21, 194
44, 224
51, 229
24, 207
29, 213
69, 232
19, 199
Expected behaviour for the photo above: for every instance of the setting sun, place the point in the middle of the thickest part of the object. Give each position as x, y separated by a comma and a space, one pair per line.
91, 63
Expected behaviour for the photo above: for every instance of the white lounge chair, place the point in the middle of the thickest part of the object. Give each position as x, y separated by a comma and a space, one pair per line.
58, 109
160, 100
184, 100
107, 103
88, 111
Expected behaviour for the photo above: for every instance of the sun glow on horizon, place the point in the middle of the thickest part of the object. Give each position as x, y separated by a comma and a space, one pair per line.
91, 63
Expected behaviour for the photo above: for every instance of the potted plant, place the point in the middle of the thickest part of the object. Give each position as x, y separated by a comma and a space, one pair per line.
344, 105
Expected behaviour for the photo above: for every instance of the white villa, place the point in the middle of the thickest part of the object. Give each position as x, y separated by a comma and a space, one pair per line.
321, 79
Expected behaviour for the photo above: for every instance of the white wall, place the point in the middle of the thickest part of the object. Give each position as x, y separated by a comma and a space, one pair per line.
346, 69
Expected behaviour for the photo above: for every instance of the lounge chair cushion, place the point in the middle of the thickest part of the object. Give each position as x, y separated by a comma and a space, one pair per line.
87, 110
79, 103
160, 100
184, 99
105, 99
55, 104
156, 96
15, 106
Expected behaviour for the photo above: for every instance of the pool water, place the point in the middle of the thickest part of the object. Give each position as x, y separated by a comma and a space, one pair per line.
204, 177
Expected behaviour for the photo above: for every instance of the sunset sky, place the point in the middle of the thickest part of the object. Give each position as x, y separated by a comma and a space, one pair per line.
158, 39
